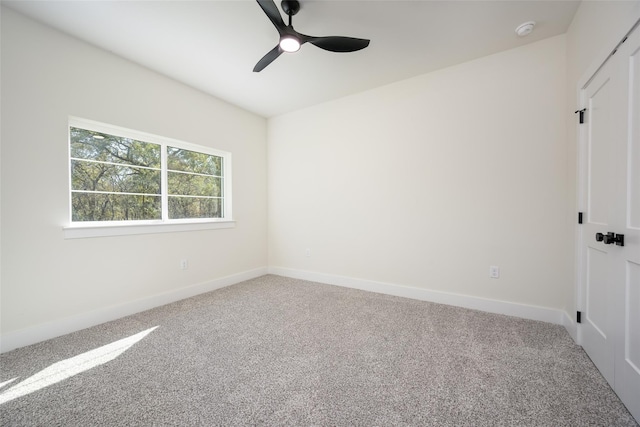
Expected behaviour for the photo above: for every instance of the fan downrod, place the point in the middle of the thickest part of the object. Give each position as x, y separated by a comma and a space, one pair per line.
290, 7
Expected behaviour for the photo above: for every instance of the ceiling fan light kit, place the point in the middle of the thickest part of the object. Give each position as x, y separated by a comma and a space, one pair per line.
291, 40
289, 44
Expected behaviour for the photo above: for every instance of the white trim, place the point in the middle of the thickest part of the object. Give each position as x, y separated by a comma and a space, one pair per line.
164, 183
123, 132
603, 56
570, 326
79, 231
524, 311
45, 331
581, 205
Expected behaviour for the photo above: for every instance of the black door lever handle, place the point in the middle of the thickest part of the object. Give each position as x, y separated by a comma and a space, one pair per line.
619, 239
610, 238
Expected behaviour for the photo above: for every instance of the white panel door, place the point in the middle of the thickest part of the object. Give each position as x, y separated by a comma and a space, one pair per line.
598, 306
610, 252
627, 261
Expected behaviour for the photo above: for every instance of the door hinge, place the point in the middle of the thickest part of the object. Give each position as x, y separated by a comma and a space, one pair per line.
578, 317
581, 114
579, 217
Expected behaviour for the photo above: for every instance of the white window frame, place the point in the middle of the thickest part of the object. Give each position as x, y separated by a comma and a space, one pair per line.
83, 229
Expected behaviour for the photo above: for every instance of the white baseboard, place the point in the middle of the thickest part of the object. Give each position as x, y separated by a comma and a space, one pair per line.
524, 311
571, 326
38, 333
55, 328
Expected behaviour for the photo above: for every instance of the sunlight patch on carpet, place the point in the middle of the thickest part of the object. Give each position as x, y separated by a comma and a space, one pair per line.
4, 383
69, 367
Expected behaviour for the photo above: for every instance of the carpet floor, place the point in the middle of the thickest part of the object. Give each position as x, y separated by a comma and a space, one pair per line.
280, 351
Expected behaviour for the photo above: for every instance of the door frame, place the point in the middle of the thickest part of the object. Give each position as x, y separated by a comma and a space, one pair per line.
582, 164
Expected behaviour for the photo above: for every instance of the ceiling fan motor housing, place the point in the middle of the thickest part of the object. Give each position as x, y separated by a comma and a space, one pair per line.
290, 7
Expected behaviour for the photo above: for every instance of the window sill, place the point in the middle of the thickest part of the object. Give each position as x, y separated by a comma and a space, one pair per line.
87, 231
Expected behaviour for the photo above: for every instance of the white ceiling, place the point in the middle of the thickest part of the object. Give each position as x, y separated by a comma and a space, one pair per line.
213, 45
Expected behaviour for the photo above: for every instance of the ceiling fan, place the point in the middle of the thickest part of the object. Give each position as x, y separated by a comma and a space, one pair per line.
291, 40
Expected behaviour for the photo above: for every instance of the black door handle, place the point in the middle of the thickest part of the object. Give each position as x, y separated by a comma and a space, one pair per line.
610, 238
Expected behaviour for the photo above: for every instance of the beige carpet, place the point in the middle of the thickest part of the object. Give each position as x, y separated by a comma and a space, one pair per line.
279, 351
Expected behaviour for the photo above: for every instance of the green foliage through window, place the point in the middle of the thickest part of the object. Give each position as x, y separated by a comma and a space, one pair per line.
117, 178
196, 179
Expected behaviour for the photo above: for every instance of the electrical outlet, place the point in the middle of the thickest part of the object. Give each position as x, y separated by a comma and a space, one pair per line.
184, 264
494, 272
307, 252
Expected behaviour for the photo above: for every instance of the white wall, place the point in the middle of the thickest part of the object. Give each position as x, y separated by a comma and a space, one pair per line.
427, 182
47, 76
596, 29
423, 183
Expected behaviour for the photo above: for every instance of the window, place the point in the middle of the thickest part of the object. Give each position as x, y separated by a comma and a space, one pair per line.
195, 184
124, 177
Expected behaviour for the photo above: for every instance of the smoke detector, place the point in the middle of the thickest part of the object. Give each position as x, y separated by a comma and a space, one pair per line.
525, 29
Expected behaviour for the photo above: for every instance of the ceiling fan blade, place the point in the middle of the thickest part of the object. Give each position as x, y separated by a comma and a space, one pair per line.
267, 59
337, 43
272, 12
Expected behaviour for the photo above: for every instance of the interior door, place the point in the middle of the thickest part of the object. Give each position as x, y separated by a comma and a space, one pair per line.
610, 252
627, 260
598, 305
